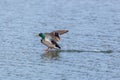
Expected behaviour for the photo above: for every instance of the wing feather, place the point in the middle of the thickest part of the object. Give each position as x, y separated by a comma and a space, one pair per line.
60, 32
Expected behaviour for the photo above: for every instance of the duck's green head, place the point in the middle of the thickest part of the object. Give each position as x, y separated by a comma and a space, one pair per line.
41, 35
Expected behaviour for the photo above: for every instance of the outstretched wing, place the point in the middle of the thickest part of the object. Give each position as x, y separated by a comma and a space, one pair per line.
60, 32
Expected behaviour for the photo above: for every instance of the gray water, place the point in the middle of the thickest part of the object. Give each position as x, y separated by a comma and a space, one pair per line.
90, 50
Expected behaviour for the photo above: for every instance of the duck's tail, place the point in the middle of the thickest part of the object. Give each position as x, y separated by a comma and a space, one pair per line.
56, 45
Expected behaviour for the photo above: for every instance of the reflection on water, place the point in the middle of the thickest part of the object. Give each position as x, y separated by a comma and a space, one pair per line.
53, 54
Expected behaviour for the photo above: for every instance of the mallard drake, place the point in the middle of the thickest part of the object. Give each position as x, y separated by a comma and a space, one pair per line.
50, 39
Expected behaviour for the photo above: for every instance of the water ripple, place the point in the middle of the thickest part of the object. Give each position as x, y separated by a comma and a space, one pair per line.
94, 51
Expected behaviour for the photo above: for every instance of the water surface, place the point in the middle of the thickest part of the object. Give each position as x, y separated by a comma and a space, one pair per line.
90, 50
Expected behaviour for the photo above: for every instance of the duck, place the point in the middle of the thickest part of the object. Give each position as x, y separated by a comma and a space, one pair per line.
50, 39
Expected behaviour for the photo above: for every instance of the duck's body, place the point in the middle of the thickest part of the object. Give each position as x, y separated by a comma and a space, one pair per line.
49, 42
50, 39
50, 45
